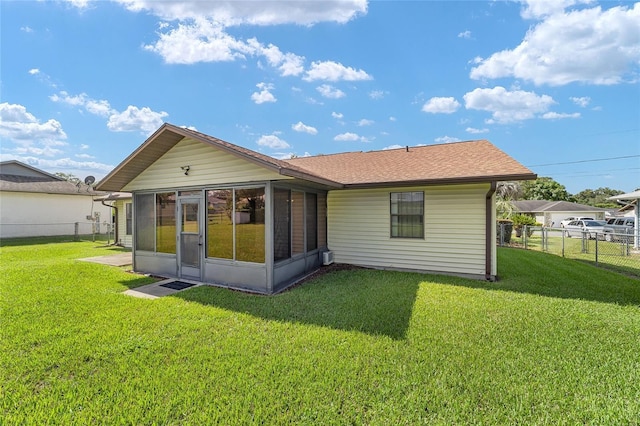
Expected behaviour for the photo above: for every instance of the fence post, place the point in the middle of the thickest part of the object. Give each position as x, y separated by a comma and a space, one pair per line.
597, 238
76, 234
525, 229
563, 243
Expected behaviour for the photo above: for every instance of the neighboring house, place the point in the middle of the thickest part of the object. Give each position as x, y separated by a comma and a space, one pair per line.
207, 210
550, 213
36, 203
122, 206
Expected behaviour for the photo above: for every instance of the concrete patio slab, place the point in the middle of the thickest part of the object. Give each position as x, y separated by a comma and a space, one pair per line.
120, 259
155, 290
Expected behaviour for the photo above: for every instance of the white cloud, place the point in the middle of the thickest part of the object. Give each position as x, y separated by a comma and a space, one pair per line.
337, 115
441, 105
96, 107
446, 139
264, 95
365, 122
232, 13
377, 94
539, 9
328, 91
66, 98
582, 101
84, 146
507, 106
87, 156
199, 41
42, 77
46, 151
588, 46
392, 147
334, 71
392, 118
26, 29
475, 131
136, 119
465, 34
286, 63
80, 4
273, 142
303, 128
196, 31
558, 116
351, 137
99, 107
19, 126
133, 119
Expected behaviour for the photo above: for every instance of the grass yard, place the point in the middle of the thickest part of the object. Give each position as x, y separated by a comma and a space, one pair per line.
556, 341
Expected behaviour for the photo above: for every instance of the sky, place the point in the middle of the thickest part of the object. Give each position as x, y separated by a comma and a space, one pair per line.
555, 84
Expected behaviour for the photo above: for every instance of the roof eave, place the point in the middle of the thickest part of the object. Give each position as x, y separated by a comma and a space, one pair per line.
284, 171
442, 181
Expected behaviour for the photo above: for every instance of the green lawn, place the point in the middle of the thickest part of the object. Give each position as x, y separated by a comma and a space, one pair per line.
556, 341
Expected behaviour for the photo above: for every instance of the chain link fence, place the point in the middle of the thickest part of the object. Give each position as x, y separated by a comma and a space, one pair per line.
611, 250
72, 230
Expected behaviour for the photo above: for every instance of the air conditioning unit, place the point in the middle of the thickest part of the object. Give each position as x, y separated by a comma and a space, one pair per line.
327, 258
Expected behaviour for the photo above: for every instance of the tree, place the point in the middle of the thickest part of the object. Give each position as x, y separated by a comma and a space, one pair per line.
597, 197
545, 188
68, 176
506, 194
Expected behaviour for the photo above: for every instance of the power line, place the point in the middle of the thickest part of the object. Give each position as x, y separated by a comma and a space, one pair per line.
578, 173
584, 161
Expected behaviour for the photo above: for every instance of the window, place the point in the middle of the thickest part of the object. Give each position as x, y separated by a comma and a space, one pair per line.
129, 218
299, 222
166, 222
145, 222
311, 204
220, 224
235, 224
249, 224
281, 226
407, 215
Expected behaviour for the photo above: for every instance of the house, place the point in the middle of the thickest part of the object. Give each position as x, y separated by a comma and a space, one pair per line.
210, 211
36, 203
550, 213
122, 207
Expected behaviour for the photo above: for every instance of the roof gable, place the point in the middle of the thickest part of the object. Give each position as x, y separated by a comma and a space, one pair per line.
17, 168
168, 136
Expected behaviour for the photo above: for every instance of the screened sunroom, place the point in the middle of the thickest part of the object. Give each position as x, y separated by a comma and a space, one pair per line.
259, 238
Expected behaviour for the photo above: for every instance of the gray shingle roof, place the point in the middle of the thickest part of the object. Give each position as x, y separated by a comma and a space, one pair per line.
539, 206
16, 183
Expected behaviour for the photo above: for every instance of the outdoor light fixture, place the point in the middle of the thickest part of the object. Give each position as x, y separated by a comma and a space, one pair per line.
186, 169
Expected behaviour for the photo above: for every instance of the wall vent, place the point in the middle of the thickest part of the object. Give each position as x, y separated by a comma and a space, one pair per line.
327, 258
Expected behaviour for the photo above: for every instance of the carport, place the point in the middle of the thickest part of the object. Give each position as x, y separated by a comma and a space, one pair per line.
632, 198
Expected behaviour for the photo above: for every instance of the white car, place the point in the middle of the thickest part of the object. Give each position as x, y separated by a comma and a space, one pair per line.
564, 222
587, 228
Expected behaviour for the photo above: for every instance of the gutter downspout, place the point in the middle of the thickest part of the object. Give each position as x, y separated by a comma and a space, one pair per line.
489, 221
115, 234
